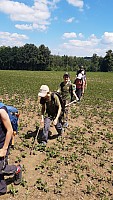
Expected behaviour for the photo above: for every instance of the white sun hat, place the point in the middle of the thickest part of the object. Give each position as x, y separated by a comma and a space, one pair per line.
44, 89
79, 76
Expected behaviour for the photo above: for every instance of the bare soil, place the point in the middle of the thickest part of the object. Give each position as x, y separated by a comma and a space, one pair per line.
75, 166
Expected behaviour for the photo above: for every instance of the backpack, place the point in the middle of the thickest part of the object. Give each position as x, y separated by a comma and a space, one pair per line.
61, 100
13, 115
78, 83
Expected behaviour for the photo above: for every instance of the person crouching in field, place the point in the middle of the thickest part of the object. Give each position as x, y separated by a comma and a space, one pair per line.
50, 111
6, 133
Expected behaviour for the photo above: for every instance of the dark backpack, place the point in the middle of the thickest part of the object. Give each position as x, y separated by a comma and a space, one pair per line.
13, 115
60, 98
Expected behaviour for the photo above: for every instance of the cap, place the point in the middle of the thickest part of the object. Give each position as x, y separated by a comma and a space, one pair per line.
81, 67
82, 72
66, 74
79, 76
44, 89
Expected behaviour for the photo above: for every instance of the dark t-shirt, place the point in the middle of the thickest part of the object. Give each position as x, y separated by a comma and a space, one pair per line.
52, 105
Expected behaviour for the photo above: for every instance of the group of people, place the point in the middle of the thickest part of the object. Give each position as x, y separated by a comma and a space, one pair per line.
51, 111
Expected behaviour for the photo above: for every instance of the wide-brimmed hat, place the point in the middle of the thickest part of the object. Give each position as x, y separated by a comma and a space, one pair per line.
44, 89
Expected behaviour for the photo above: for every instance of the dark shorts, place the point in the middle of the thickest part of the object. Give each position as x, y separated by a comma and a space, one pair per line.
5, 169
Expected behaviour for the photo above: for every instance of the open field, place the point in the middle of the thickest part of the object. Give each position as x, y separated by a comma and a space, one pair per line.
76, 166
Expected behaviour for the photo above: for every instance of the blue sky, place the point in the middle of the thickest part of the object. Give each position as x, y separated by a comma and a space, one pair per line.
66, 27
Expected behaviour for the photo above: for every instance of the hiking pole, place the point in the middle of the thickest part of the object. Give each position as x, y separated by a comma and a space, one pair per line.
37, 132
71, 103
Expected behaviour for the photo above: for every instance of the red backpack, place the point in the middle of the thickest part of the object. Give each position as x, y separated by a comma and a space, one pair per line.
79, 83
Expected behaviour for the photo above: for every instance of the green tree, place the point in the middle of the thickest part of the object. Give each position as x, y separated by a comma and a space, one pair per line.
107, 64
94, 63
43, 57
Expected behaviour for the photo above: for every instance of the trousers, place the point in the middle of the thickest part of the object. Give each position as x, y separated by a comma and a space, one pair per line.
47, 122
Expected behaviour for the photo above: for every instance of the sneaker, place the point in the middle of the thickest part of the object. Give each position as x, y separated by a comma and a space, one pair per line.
61, 132
65, 125
2, 193
18, 175
43, 143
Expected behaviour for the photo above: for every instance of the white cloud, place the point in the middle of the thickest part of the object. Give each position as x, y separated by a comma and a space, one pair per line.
39, 14
12, 39
87, 6
81, 35
86, 47
107, 38
76, 3
24, 26
70, 20
69, 35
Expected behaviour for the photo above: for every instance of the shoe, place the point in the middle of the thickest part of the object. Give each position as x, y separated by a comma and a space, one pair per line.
18, 175
61, 132
65, 125
2, 193
43, 143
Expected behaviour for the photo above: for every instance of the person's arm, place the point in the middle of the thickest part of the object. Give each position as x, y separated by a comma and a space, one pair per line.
59, 89
75, 95
85, 83
82, 84
6, 121
57, 101
74, 91
42, 102
42, 112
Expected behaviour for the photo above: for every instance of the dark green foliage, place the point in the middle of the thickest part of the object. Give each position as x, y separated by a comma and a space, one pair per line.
30, 57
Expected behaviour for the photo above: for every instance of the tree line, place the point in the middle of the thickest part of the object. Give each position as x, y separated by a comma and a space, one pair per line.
30, 57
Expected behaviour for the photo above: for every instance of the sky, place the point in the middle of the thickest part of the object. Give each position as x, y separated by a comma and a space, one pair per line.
67, 27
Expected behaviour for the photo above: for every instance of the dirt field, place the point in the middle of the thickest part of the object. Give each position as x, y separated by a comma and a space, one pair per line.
76, 166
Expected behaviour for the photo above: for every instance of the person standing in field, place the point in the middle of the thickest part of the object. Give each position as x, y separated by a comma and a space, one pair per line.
83, 72
50, 112
79, 85
66, 91
6, 133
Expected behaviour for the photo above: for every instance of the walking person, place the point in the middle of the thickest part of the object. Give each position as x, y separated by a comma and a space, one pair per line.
83, 72
6, 133
50, 111
79, 85
66, 91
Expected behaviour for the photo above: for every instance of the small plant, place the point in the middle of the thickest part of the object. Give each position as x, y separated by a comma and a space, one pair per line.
58, 186
13, 190
90, 189
24, 183
18, 159
40, 185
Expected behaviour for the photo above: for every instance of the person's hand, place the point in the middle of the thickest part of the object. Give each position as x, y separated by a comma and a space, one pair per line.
77, 98
41, 123
55, 121
3, 152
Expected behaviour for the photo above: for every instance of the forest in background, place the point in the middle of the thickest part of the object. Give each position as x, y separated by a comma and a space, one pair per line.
31, 57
